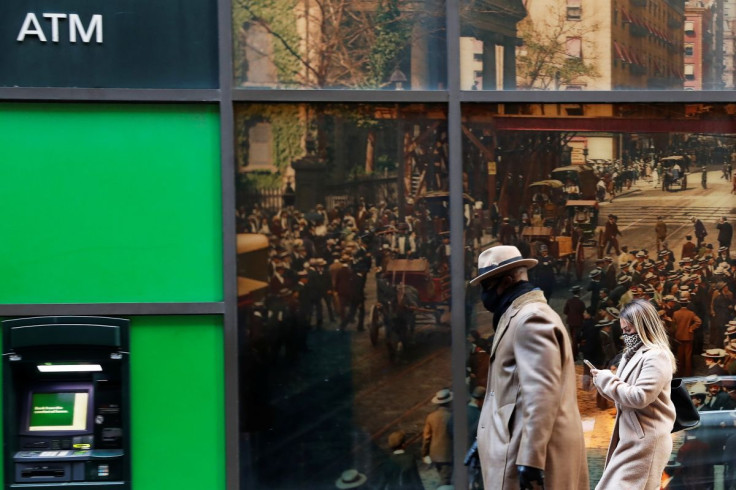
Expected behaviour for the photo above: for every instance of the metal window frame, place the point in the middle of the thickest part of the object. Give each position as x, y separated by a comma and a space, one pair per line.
226, 96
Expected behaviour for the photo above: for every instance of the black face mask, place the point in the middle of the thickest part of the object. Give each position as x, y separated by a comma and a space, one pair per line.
491, 299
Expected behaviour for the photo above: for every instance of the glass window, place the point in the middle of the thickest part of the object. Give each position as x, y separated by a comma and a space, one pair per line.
574, 47
689, 48
344, 291
548, 176
349, 44
574, 10
524, 45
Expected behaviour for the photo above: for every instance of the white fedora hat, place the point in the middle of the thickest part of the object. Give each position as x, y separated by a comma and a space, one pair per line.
350, 479
497, 260
442, 396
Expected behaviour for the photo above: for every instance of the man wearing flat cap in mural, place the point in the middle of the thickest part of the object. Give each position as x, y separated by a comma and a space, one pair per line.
530, 432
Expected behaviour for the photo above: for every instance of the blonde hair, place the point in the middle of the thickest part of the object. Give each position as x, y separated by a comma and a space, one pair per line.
645, 319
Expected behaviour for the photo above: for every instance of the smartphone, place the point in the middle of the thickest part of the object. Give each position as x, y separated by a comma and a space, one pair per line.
589, 364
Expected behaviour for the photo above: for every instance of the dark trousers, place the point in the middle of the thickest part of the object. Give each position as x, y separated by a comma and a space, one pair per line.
612, 242
317, 306
685, 358
348, 309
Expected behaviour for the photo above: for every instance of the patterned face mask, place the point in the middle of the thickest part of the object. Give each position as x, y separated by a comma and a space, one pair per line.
631, 340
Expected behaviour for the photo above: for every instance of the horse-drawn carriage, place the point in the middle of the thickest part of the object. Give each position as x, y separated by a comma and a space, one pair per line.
559, 247
406, 293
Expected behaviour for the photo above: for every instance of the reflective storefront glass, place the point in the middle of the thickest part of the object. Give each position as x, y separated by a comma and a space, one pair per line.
343, 281
343, 44
597, 45
551, 178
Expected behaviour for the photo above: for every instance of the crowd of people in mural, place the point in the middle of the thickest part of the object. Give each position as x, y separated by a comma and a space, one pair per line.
322, 262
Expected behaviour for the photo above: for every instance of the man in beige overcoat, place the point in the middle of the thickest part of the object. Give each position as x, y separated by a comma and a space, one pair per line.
530, 429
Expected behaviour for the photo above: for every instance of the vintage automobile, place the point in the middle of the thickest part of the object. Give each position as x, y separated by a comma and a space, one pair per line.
674, 173
581, 175
706, 453
545, 209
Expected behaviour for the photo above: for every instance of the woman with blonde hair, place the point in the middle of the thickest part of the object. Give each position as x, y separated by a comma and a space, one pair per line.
641, 443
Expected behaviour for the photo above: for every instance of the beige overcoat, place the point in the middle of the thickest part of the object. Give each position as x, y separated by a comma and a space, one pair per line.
530, 415
641, 442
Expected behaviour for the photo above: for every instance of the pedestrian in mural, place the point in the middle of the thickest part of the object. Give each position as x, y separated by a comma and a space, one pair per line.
685, 322
609, 272
400, 471
437, 437
667, 255
600, 190
520, 441
350, 479
595, 287
610, 233
721, 310
588, 339
324, 289
574, 309
713, 361
725, 234
345, 287
699, 231
495, 218
507, 235
689, 249
544, 273
704, 177
641, 442
660, 231
478, 360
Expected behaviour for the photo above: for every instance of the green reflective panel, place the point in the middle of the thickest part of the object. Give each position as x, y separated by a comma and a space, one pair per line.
110, 203
177, 403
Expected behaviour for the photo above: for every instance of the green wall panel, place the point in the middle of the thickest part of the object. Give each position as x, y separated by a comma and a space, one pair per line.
2, 417
177, 403
110, 203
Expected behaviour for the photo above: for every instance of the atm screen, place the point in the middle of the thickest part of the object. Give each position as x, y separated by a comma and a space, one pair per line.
58, 411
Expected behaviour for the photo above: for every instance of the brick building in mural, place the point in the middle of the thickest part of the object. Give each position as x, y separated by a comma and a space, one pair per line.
632, 44
701, 49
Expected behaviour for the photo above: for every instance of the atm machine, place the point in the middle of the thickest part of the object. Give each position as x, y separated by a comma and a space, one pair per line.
66, 403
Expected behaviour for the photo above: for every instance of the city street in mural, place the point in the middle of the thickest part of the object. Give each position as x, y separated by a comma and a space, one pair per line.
343, 236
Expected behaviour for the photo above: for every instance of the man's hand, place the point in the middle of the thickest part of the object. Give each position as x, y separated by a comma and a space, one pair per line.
528, 476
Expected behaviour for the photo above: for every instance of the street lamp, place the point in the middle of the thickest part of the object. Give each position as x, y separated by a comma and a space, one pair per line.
585, 155
397, 78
